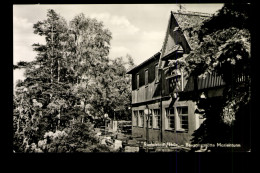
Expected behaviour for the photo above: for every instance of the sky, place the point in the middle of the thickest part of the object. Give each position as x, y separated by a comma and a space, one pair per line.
137, 29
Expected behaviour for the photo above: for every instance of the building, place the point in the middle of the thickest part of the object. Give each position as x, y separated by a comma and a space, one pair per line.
173, 118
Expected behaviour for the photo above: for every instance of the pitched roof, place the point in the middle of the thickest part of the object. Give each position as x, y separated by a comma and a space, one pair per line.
155, 56
189, 22
181, 30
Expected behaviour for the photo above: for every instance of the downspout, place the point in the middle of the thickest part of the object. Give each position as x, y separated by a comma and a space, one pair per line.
161, 108
160, 67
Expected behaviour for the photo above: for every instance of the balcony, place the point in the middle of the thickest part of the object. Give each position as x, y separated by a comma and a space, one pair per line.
146, 93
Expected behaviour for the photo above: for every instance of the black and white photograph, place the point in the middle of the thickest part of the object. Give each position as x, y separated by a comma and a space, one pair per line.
132, 78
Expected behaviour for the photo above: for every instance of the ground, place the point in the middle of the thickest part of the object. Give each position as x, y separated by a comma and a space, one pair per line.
119, 141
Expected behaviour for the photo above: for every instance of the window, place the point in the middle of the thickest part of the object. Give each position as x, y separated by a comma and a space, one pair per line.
137, 81
157, 117
141, 118
183, 114
135, 118
146, 77
170, 123
150, 123
156, 69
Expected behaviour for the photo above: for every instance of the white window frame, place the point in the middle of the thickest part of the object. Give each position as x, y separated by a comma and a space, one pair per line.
180, 116
135, 118
168, 115
157, 119
150, 121
141, 120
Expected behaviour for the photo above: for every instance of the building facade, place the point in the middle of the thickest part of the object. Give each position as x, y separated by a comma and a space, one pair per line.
172, 116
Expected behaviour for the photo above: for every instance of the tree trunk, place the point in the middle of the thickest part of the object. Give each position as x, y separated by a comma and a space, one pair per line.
58, 70
52, 53
18, 121
20, 112
58, 126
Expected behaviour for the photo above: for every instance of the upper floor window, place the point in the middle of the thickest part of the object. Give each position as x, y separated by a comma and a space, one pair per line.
137, 81
146, 77
156, 69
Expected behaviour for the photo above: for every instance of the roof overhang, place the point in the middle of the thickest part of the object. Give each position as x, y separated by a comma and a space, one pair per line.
178, 52
143, 63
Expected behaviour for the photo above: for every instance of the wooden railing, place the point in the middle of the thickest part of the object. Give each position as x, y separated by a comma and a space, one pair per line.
152, 91
145, 93
210, 81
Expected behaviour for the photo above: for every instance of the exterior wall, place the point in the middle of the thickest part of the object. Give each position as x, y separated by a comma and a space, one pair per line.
145, 93
151, 93
177, 136
155, 88
212, 86
151, 73
168, 135
154, 134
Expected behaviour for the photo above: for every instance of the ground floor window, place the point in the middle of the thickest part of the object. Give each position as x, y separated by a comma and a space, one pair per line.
170, 119
135, 118
150, 123
183, 115
141, 118
156, 113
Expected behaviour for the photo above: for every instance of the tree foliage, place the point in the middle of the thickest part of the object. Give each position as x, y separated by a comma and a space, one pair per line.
224, 48
71, 82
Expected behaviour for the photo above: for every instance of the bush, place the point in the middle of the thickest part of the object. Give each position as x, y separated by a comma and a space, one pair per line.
80, 137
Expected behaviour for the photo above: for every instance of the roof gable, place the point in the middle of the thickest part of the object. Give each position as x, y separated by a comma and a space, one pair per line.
179, 33
174, 38
178, 37
189, 22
